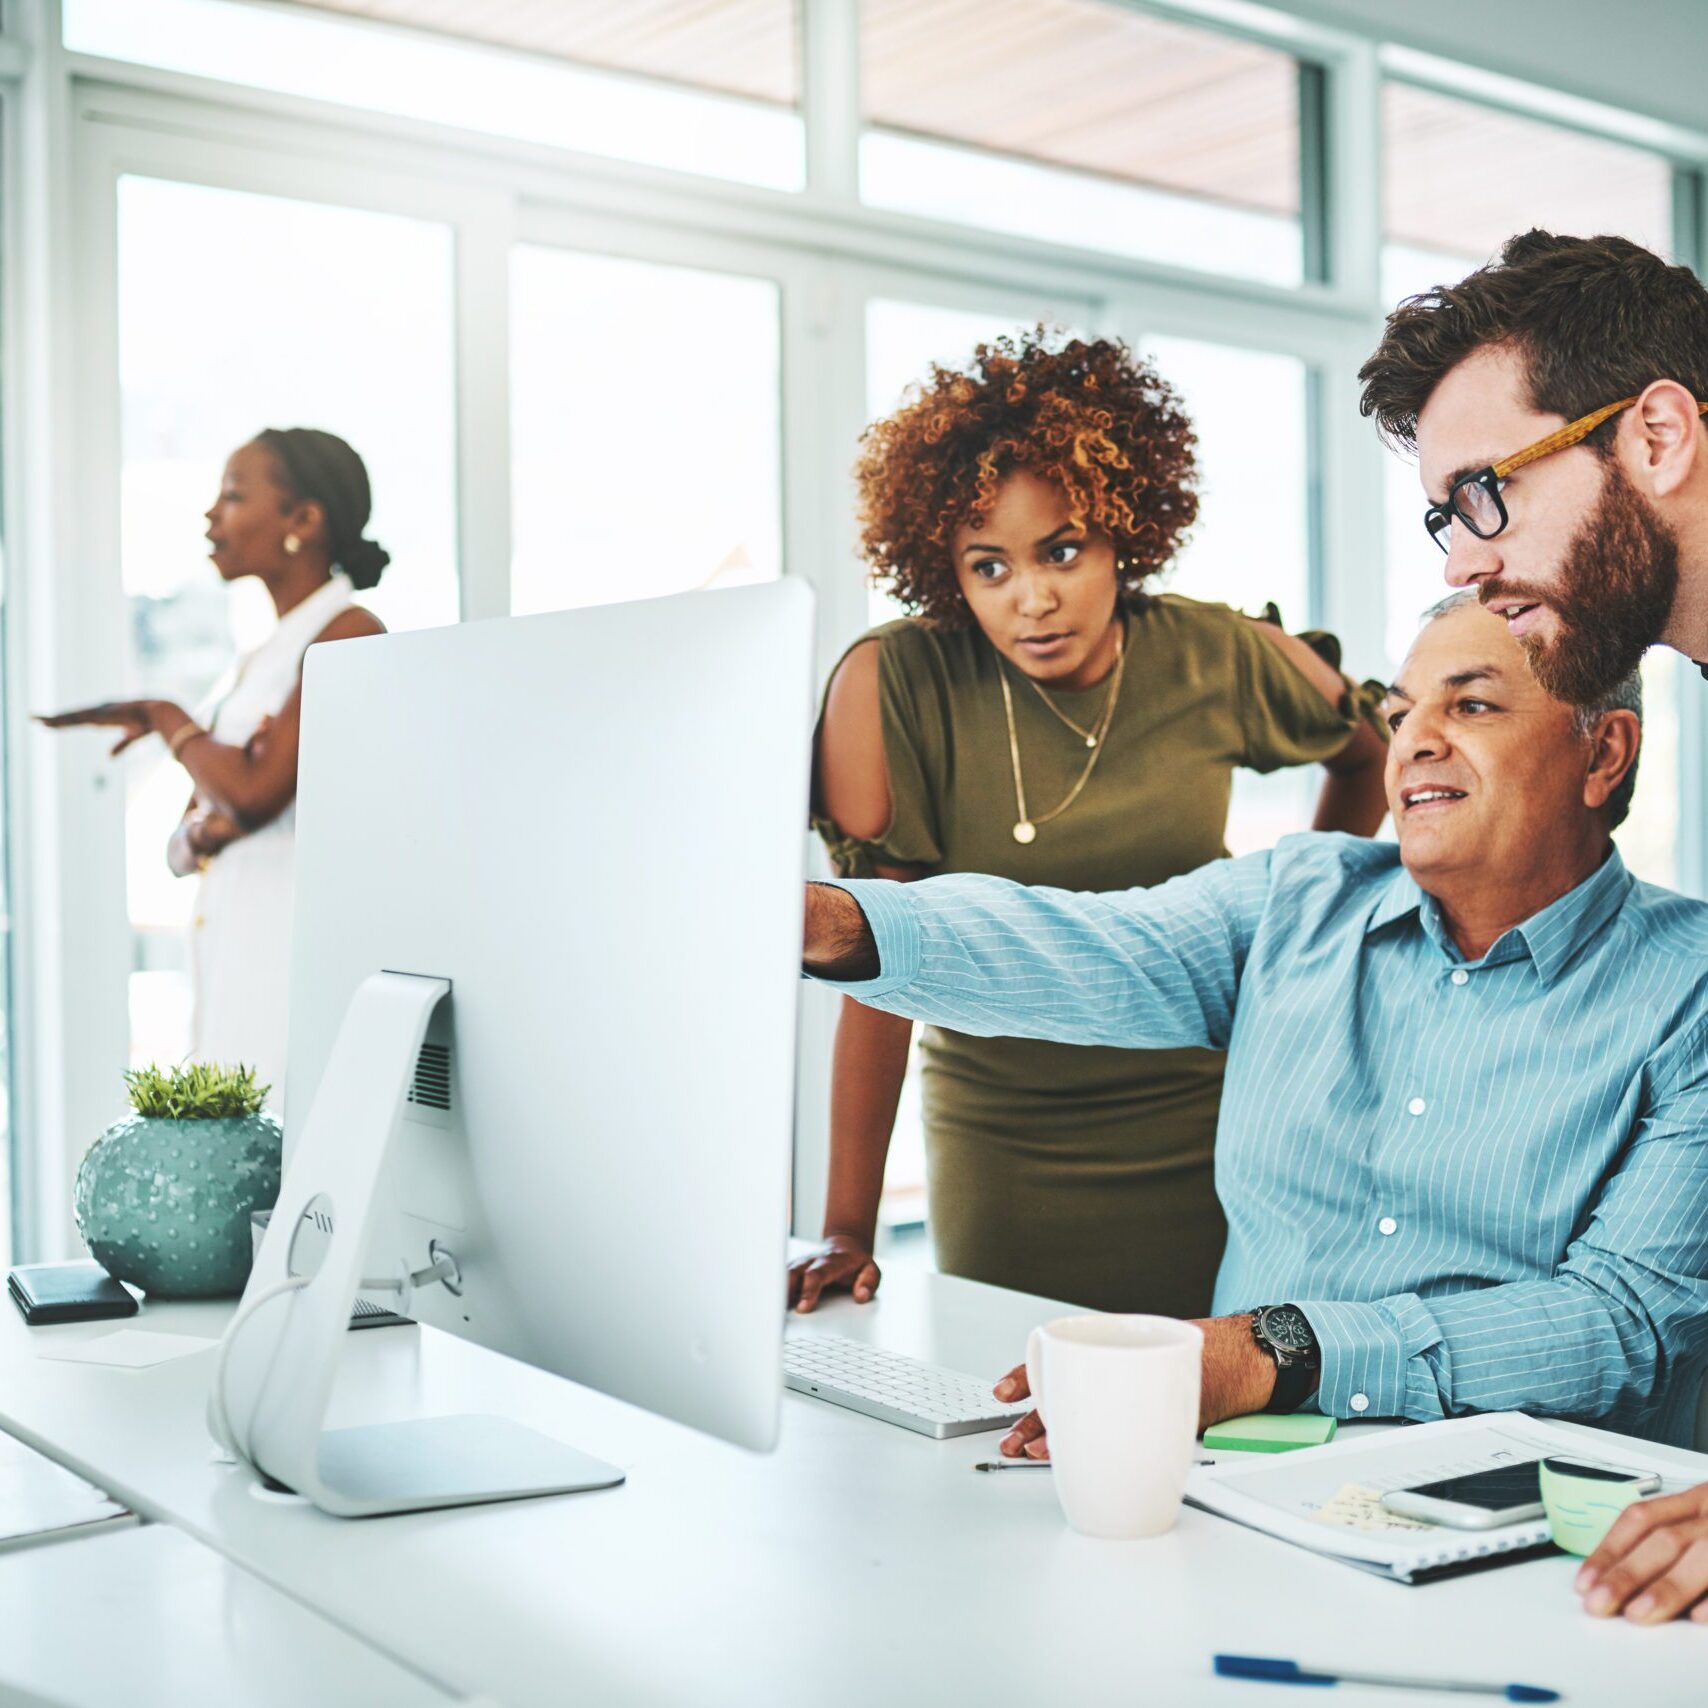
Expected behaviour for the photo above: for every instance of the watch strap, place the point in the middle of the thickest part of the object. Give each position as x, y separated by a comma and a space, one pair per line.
1294, 1384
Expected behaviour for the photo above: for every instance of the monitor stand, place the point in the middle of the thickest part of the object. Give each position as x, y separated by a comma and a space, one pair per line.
280, 1353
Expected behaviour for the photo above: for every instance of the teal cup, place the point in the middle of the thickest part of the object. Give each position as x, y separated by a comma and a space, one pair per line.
1581, 1509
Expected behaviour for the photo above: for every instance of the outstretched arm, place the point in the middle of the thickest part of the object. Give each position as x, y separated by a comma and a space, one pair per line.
1135, 968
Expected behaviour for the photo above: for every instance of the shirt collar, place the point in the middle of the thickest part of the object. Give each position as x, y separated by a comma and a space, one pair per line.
1551, 938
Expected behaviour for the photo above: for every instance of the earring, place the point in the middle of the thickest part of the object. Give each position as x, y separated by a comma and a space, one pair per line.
292, 545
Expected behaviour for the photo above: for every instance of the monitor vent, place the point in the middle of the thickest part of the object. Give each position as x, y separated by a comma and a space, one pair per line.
432, 1083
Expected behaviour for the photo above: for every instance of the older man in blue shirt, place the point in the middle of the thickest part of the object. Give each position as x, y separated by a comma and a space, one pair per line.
1463, 1146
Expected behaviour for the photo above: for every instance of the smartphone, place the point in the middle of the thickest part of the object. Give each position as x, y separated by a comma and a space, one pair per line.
1483, 1500
1647, 1482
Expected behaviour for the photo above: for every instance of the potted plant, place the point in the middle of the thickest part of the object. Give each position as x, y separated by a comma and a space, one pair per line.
165, 1195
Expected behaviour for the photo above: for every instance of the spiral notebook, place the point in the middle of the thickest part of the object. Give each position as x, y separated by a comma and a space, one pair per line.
1328, 1499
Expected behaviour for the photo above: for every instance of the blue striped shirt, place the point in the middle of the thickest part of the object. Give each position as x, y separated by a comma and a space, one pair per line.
1486, 1182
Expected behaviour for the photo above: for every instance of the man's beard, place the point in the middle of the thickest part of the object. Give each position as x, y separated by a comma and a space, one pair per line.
1615, 591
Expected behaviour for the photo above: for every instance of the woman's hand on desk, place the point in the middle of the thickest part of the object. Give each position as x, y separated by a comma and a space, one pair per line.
1653, 1563
840, 1261
1027, 1437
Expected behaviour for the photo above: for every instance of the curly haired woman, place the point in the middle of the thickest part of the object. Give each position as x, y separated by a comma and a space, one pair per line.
1046, 717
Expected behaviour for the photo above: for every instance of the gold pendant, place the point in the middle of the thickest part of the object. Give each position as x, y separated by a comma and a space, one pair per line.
1025, 830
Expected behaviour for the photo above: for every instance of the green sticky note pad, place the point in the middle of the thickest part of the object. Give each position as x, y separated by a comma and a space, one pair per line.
1263, 1432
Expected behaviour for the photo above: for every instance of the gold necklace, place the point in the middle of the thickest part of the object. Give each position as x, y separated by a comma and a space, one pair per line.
1025, 826
1088, 736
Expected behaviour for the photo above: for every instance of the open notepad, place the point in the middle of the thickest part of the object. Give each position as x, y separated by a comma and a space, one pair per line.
41, 1501
1328, 1498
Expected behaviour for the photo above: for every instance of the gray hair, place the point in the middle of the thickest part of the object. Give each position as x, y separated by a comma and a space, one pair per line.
1624, 696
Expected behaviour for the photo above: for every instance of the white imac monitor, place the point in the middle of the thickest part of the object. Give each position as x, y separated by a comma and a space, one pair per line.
546, 963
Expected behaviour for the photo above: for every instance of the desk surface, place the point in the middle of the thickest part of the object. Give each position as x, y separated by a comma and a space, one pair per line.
859, 1564
154, 1619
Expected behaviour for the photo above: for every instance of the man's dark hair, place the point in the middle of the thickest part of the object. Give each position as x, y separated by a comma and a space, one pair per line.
1594, 319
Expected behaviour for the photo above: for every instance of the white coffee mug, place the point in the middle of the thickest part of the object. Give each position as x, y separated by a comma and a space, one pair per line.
1119, 1398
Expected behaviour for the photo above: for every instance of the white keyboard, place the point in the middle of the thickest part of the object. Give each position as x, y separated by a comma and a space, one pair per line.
891, 1388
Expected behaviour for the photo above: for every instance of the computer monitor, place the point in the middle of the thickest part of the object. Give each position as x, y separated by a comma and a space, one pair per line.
546, 964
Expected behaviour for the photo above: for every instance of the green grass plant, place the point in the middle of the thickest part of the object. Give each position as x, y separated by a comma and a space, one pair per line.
195, 1091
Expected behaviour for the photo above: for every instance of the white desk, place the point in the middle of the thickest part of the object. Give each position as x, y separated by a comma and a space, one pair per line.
860, 1564
150, 1618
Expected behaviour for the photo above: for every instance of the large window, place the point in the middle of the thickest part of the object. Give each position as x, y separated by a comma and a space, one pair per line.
1251, 545
1088, 123
238, 312
644, 430
717, 95
6, 1128
1460, 180
603, 293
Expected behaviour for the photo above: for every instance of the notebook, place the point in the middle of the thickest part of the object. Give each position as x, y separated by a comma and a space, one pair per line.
1328, 1499
43, 1502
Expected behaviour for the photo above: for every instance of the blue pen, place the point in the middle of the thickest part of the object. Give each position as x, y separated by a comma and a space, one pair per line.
1290, 1672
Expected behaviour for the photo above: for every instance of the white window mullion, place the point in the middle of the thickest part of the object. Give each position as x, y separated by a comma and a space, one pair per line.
830, 96
483, 408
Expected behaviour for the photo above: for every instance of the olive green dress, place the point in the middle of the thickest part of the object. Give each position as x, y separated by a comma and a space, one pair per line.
1081, 1173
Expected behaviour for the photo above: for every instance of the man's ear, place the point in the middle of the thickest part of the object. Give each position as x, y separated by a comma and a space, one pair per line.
1613, 751
1660, 434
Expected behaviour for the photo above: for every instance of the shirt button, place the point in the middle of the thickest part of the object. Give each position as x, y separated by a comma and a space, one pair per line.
1460, 976
1416, 1106
1360, 1402
1387, 1225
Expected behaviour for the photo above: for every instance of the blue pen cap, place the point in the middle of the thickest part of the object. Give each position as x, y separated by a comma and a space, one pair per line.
1276, 1671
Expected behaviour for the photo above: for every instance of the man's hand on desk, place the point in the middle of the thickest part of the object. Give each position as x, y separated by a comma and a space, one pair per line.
838, 941
1239, 1377
1653, 1564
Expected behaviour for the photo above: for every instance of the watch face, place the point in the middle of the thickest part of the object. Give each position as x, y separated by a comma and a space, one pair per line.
1285, 1326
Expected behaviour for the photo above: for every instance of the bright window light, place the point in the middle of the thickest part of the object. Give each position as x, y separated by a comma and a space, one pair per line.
1085, 122
473, 87
935, 180
231, 320
644, 430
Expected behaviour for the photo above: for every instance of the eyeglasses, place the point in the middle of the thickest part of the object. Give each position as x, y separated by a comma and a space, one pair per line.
1475, 499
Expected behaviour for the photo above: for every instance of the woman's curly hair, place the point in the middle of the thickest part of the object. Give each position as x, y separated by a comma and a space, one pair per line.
1091, 417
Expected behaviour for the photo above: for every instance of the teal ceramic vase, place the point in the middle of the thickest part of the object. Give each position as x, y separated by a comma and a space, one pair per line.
165, 1204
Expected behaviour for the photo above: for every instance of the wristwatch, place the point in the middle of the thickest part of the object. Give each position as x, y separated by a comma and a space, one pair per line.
1285, 1333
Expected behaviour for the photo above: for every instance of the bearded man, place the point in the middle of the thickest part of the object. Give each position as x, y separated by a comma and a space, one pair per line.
1554, 400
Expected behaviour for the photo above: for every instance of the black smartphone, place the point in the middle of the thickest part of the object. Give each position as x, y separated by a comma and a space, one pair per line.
1480, 1500
1646, 1480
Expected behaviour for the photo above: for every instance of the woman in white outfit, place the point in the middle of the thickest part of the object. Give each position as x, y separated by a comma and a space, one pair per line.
291, 511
